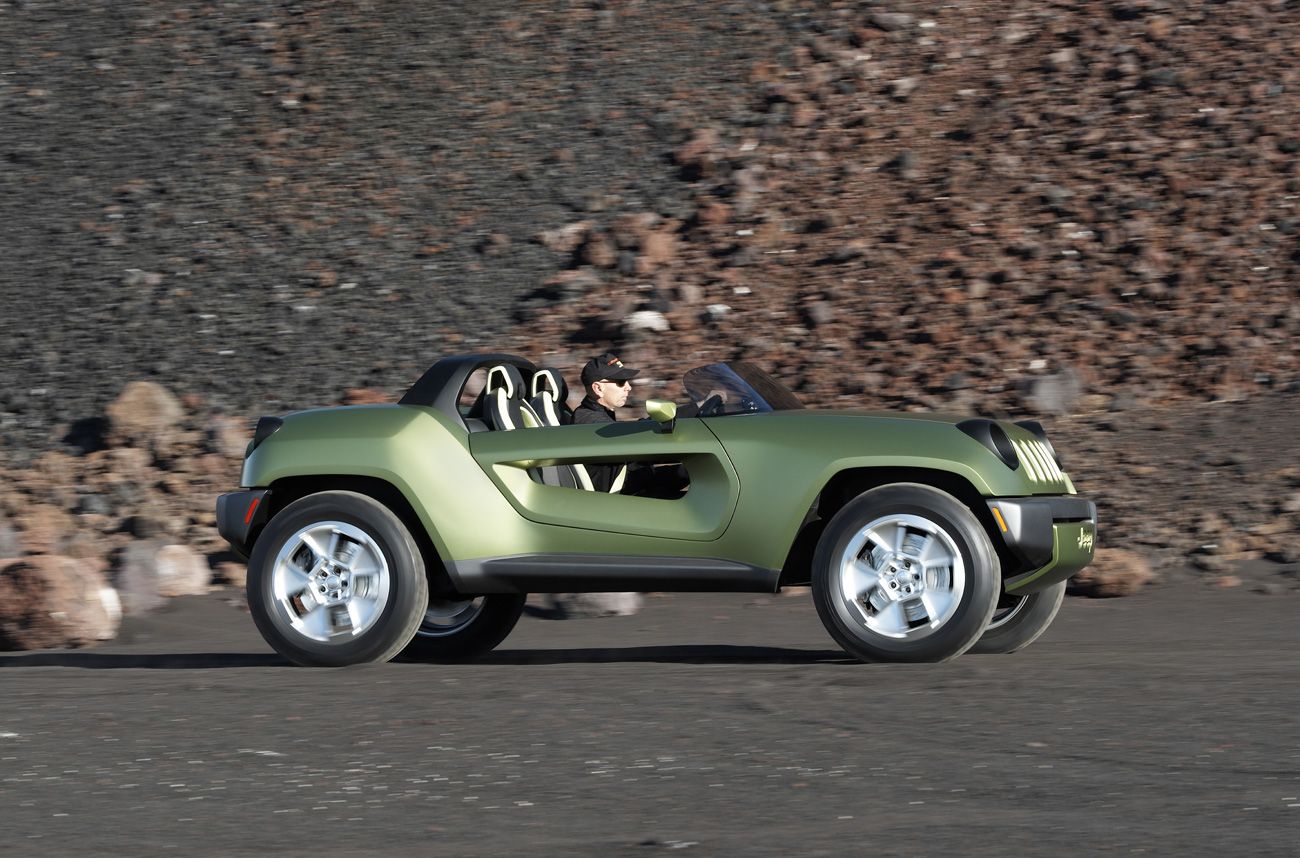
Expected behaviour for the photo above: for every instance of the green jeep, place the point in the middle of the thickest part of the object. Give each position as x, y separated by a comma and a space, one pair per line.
419, 528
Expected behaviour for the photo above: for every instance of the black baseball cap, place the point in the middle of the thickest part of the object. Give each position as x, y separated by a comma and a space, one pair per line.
606, 367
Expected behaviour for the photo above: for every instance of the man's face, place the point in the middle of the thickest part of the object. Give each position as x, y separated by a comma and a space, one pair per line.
612, 394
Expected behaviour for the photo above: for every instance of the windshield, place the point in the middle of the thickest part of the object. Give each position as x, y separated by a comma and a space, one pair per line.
738, 387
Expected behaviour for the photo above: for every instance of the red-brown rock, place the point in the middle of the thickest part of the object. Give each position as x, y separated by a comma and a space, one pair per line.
143, 413
150, 571
1114, 572
51, 601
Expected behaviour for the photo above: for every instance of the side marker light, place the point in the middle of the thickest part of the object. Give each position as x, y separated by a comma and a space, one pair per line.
252, 508
996, 514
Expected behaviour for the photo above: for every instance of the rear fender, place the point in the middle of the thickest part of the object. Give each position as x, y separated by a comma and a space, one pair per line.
289, 489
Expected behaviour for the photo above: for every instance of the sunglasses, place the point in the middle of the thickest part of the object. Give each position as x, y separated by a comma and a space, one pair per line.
624, 382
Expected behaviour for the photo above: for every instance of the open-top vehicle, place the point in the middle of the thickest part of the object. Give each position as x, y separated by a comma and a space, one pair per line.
420, 527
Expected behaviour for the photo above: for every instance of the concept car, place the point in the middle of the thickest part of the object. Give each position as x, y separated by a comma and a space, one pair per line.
419, 528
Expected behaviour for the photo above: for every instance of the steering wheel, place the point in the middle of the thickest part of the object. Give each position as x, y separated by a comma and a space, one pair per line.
711, 407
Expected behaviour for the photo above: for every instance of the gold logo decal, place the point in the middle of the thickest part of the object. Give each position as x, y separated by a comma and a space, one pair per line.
1085, 540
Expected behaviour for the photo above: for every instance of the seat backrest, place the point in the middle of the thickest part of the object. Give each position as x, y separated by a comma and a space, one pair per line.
583, 478
549, 401
503, 405
567, 476
549, 397
505, 408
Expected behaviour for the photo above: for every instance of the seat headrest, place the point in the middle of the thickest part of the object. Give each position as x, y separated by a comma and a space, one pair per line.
506, 378
549, 382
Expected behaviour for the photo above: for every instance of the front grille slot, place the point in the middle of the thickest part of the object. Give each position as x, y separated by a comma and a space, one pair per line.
1039, 464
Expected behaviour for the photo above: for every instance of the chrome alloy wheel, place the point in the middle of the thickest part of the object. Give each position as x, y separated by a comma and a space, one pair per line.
901, 576
330, 582
447, 617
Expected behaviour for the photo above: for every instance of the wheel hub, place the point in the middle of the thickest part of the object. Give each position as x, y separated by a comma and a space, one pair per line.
901, 577
332, 580
333, 584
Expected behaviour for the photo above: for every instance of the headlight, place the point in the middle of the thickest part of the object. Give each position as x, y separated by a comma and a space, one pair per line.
990, 434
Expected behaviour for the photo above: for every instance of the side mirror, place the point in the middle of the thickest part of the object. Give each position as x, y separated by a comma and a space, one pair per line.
663, 412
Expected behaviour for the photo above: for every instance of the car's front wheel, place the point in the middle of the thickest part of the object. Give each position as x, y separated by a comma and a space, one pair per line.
905, 572
453, 629
336, 579
1018, 621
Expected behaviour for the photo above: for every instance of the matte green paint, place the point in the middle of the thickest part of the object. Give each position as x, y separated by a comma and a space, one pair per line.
425, 455
787, 457
703, 514
753, 476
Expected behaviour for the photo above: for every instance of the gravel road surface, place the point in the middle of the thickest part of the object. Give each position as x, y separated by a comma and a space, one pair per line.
728, 725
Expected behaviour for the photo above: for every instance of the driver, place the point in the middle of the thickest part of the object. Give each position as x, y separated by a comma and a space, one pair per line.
607, 382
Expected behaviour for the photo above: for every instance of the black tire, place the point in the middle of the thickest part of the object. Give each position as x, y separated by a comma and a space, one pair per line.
393, 569
489, 619
877, 622
1018, 621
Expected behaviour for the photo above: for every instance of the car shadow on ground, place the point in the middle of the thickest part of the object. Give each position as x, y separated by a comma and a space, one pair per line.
709, 654
702, 654
154, 661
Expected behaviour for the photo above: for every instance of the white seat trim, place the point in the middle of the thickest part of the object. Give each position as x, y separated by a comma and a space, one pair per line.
584, 478
546, 396
501, 393
499, 371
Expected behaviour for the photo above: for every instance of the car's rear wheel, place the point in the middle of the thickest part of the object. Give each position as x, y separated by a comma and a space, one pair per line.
336, 579
1018, 621
905, 572
455, 629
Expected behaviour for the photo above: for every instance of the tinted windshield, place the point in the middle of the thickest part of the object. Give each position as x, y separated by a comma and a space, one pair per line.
736, 388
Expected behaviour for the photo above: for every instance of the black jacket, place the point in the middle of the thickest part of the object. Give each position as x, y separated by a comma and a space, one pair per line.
591, 411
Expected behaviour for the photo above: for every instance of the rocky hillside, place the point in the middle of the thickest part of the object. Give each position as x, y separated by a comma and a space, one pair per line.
1084, 211
896, 203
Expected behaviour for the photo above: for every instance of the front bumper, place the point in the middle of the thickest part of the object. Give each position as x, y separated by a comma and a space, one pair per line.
1053, 536
240, 516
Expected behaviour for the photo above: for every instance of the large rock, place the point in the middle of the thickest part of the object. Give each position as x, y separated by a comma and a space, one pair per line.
51, 601
181, 571
149, 572
565, 239
657, 249
45, 528
144, 414
1114, 572
698, 155
1056, 394
228, 436
230, 574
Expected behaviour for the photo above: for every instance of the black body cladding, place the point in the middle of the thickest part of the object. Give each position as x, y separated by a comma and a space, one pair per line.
240, 515
440, 386
266, 427
1029, 523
